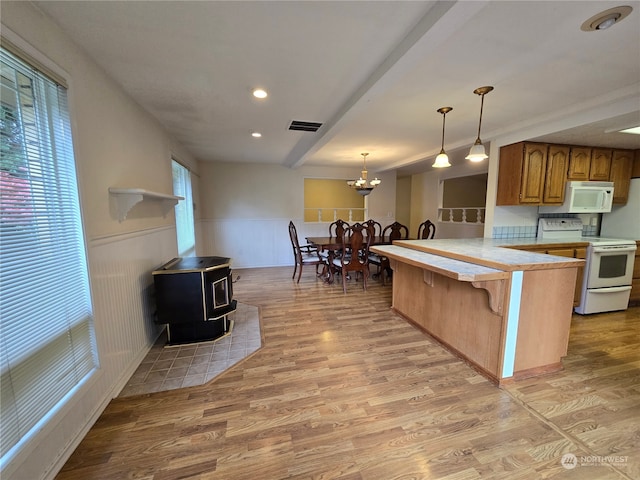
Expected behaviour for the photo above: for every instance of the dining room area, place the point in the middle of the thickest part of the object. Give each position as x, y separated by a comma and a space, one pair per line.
333, 255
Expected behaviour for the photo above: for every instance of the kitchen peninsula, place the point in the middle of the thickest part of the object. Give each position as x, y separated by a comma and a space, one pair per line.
506, 311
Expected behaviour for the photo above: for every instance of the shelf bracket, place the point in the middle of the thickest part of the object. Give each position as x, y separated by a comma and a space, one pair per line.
495, 290
127, 198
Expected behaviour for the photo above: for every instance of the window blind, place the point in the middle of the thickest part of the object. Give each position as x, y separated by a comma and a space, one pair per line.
184, 210
47, 344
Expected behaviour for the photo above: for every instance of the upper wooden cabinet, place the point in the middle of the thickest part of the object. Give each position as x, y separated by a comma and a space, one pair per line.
600, 164
635, 173
588, 163
556, 174
579, 163
620, 175
532, 174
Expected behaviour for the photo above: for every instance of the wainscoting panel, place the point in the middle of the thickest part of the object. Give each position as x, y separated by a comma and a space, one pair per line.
123, 297
252, 243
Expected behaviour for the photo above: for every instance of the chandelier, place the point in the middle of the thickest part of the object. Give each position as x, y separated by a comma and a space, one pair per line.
361, 185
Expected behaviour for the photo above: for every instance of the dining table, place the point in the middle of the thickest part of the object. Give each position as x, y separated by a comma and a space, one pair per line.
333, 244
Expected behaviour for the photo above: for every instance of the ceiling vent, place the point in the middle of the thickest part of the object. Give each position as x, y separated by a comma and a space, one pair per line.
304, 126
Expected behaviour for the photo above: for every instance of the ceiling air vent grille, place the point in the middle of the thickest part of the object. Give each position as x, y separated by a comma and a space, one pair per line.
304, 126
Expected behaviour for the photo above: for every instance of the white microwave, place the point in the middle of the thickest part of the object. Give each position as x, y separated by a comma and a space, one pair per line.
584, 197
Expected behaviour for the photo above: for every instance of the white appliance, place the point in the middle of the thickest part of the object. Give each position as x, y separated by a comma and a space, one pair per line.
624, 220
584, 197
606, 283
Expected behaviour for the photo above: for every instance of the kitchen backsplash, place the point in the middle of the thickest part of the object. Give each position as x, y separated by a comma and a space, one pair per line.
515, 232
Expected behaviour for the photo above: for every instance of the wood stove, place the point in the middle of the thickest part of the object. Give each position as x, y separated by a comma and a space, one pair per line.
194, 296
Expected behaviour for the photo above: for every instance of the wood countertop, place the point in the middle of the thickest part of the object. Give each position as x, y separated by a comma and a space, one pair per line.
491, 252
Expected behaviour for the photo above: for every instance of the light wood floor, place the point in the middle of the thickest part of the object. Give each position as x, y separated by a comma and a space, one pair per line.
344, 389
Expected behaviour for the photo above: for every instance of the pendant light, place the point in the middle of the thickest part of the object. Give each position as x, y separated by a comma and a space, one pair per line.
362, 186
477, 153
442, 160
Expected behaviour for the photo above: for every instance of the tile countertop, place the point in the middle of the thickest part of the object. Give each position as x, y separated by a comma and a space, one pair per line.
456, 269
491, 252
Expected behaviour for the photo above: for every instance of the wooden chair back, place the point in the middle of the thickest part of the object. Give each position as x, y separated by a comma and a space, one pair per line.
426, 230
396, 231
305, 255
293, 236
354, 255
374, 229
337, 228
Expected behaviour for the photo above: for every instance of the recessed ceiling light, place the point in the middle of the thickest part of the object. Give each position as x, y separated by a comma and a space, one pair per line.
635, 130
256, 134
259, 93
603, 20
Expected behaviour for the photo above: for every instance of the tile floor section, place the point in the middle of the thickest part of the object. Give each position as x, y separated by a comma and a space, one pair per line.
170, 367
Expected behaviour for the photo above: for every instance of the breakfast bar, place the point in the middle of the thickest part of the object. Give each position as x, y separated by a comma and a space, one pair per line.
507, 312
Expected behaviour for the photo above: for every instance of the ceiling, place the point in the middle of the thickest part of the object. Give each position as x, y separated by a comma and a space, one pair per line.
372, 72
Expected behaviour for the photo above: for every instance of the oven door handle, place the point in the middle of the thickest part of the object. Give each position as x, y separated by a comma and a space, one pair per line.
630, 248
610, 289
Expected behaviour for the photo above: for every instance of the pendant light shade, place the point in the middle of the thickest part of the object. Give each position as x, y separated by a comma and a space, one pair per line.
477, 152
442, 160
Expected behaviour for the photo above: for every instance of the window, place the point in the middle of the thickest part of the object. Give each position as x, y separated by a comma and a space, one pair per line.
184, 210
47, 343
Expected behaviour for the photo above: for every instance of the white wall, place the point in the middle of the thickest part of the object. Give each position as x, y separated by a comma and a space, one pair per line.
245, 209
403, 200
426, 194
116, 144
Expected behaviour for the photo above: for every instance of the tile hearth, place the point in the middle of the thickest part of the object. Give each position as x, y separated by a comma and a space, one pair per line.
170, 367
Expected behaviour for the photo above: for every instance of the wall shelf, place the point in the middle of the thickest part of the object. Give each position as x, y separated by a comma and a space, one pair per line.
127, 198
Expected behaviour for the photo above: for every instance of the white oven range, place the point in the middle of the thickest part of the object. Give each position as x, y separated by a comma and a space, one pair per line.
608, 270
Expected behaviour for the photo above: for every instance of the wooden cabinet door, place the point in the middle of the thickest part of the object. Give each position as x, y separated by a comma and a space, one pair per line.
635, 171
600, 164
556, 174
579, 163
621, 166
533, 171
510, 174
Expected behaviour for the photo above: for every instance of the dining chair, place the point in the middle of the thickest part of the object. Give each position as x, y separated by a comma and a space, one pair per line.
336, 229
303, 255
394, 231
374, 228
354, 255
426, 230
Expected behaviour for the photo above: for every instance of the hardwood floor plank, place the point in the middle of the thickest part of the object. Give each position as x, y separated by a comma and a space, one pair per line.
343, 389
